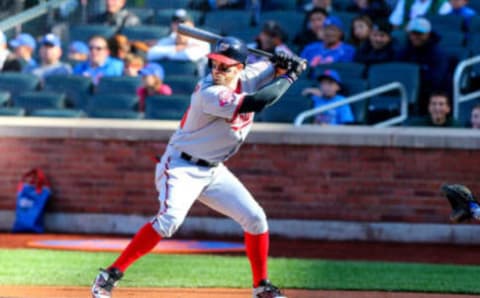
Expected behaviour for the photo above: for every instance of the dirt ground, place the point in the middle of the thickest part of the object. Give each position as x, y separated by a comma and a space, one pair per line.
428, 253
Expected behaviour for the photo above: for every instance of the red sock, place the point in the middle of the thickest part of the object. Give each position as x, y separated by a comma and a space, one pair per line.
143, 242
257, 253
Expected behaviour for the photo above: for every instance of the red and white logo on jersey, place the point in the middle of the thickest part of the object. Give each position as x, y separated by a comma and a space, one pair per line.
225, 97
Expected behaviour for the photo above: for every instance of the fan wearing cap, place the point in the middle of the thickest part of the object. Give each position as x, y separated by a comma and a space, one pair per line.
8, 60
50, 54
152, 83
271, 39
332, 49
379, 47
177, 46
313, 29
423, 48
77, 52
24, 45
330, 85
213, 128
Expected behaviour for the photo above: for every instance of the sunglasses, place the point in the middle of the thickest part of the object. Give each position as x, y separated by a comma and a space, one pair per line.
96, 48
223, 67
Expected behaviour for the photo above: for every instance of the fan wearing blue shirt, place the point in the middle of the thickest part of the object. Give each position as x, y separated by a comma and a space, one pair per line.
330, 86
332, 48
99, 63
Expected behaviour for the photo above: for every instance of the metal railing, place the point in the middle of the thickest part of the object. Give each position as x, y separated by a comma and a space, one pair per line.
38, 10
363, 96
457, 96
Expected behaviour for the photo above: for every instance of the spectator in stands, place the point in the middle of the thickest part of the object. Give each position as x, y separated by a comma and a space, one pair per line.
460, 8
8, 61
99, 63
330, 86
152, 78
313, 29
271, 39
439, 109
325, 4
24, 46
406, 10
423, 49
475, 117
50, 54
116, 15
360, 29
179, 47
375, 9
133, 63
77, 52
119, 46
332, 49
379, 48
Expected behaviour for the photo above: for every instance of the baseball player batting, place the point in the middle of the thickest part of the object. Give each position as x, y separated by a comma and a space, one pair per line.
211, 131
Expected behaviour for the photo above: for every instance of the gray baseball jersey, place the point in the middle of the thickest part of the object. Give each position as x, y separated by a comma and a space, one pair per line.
212, 129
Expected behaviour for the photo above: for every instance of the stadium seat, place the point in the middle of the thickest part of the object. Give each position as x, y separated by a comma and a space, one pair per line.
399, 38
4, 98
166, 107
226, 20
465, 110
58, 113
84, 32
451, 38
76, 88
112, 101
387, 105
352, 87
286, 109
127, 85
297, 88
172, 67
474, 22
346, 70
117, 114
12, 111
289, 5
290, 21
146, 32
17, 82
163, 4
440, 23
31, 101
182, 84
247, 34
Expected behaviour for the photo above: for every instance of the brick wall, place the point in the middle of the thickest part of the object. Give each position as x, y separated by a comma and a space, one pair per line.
292, 181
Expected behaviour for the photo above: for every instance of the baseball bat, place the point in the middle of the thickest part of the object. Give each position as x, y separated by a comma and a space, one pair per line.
212, 38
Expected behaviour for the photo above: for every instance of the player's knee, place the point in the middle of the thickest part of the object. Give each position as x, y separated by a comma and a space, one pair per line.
166, 225
256, 223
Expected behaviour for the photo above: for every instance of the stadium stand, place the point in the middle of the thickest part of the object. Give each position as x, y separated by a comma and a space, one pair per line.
16, 83
31, 101
76, 88
166, 107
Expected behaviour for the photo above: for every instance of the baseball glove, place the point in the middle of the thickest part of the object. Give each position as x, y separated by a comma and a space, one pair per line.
460, 199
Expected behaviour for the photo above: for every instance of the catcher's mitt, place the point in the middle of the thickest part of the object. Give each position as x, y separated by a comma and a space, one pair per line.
460, 199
